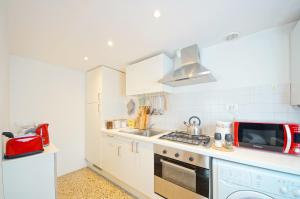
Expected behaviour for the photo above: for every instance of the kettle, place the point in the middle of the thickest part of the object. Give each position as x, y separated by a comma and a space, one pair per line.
193, 126
42, 130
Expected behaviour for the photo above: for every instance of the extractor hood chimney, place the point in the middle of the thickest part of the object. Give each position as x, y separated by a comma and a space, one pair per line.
188, 70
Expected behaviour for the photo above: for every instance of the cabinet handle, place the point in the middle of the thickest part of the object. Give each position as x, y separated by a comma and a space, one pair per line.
99, 96
137, 147
132, 143
98, 108
119, 147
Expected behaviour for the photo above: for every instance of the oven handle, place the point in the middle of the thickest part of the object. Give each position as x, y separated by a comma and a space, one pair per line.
288, 138
177, 166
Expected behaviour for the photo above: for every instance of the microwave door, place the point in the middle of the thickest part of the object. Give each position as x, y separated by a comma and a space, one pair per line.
262, 136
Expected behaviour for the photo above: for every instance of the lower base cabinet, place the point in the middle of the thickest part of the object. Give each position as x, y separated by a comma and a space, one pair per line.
32, 177
130, 161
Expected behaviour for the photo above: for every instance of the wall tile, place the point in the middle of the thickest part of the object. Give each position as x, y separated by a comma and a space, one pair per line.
260, 103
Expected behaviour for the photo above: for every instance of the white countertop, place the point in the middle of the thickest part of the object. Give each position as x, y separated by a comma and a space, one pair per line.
50, 149
263, 159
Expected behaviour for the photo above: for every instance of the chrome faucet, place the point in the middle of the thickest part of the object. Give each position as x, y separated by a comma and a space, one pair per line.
149, 127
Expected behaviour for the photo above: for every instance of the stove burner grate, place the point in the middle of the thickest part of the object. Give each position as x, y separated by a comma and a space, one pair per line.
181, 136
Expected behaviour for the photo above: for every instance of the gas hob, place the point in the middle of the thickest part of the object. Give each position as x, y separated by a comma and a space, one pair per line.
181, 136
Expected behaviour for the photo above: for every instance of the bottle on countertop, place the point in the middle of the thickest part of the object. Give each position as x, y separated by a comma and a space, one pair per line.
223, 128
228, 141
218, 140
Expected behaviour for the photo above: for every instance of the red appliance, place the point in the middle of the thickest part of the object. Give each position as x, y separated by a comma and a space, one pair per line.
42, 130
22, 146
278, 137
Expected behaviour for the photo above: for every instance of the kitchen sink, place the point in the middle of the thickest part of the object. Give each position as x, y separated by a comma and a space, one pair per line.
146, 133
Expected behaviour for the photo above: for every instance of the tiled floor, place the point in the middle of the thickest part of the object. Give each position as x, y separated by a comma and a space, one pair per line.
86, 184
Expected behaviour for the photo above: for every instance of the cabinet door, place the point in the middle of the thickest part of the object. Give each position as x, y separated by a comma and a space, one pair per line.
135, 79
145, 168
109, 157
143, 77
295, 65
33, 177
92, 146
93, 85
127, 169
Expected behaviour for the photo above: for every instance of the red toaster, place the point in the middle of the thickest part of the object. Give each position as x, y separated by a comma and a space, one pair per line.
22, 146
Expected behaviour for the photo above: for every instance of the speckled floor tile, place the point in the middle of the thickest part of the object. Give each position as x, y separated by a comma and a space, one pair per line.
86, 184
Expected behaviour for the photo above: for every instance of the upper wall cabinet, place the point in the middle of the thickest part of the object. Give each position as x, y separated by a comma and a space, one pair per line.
143, 77
295, 65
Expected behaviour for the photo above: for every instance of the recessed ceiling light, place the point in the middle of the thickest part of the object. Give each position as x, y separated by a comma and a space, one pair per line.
86, 58
110, 43
156, 14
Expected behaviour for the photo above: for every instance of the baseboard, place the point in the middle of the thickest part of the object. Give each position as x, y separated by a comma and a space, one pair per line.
59, 174
118, 183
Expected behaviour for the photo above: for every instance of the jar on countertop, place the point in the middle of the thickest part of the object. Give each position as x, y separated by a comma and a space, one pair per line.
223, 128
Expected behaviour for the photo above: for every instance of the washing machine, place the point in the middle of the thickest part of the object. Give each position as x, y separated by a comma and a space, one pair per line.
239, 181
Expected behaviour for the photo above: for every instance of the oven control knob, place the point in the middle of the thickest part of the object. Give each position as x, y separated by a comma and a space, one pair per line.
164, 151
191, 159
176, 155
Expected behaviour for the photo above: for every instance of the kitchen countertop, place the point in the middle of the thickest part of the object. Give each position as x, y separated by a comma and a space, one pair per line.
50, 149
263, 159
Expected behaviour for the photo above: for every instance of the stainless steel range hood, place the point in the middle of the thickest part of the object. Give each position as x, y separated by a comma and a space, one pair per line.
188, 70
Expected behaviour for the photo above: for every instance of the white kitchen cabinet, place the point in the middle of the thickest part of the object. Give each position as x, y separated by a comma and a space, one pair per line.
144, 161
131, 161
31, 177
127, 160
143, 77
92, 138
93, 85
105, 100
110, 148
295, 65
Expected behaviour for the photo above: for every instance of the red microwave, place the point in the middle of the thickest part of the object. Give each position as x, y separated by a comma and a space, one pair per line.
278, 137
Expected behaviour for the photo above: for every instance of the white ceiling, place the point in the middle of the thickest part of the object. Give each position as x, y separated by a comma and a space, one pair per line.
65, 31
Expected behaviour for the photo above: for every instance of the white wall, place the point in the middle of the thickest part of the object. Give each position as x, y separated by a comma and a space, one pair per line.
252, 73
41, 92
258, 59
4, 107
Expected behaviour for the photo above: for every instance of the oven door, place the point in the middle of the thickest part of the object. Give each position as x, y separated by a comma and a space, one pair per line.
176, 180
263, 136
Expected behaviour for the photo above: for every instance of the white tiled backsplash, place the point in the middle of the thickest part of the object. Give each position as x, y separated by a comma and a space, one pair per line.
263, 103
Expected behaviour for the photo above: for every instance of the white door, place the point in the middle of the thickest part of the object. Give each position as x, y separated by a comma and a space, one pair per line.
109, 147
92, 146
127, 168
248, 195
135, 83
93, 85
143, 77
145, 168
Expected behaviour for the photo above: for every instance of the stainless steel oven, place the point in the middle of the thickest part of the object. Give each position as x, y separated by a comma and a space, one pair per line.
179, 174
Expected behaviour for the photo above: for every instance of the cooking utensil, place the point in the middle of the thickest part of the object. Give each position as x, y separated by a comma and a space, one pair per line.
193, 127
130, 107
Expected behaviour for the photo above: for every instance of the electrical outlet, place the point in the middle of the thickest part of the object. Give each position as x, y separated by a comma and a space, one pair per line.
233, 108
